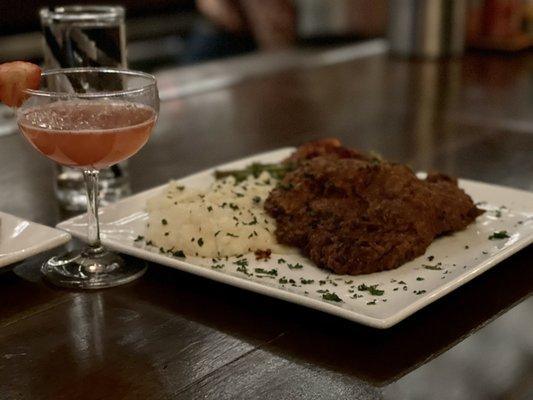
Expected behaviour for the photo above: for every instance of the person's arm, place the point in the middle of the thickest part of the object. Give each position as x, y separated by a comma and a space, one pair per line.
226, 14
272, 22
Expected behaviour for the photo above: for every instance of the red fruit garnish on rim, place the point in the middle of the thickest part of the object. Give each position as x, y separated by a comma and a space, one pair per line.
15, 77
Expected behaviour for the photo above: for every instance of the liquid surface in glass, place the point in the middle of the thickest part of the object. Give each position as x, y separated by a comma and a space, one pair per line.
88, 134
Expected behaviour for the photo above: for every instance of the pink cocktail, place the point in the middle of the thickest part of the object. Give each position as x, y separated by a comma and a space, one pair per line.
88, 134
90, 118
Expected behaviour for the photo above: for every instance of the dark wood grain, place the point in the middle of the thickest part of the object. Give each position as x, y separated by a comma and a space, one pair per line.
172, 335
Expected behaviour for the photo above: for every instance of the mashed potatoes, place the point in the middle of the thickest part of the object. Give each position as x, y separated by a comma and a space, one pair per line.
226, 220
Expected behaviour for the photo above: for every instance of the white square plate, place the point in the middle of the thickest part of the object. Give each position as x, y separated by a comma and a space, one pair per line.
448, 263
20, 239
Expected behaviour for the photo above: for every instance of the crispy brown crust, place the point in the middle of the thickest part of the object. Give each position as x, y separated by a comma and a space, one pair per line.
355, 215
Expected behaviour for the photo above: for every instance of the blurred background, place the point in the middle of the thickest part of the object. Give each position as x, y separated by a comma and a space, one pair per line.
167, 36
166, 33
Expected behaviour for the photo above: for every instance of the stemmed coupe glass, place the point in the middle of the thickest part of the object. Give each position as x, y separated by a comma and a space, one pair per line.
90, 118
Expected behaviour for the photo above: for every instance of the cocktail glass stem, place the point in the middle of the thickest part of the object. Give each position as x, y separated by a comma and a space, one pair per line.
94, 267
93, 223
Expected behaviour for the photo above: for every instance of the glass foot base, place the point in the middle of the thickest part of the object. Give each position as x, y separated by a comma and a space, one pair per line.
92, 269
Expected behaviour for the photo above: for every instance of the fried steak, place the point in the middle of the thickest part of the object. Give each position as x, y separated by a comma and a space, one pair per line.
355, 214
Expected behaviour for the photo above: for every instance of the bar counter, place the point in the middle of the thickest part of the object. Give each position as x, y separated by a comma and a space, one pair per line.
172, 335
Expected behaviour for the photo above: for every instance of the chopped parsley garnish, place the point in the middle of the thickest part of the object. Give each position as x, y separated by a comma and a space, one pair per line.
371, 303
331, 297
283, 280
306, 281
265, 276
256, 199
233, 206
281, 261
179, 253
252, 222
419, 292
243, 269
295, 266
419, 278
402, 283
180, 188
217, 266
139, 238
200, 242
372, 289
499, 235
231, 235
348, 282
164, 221
430, 258
432, 267
272, 272
243, 262
216, 233
321, 283
209, 208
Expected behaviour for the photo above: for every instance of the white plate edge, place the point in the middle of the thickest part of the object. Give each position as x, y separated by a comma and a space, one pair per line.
62, 237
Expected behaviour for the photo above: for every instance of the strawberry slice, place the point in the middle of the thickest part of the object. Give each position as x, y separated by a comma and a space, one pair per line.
14, 78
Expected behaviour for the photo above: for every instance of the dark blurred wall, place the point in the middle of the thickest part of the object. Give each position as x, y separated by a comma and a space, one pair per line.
18, 16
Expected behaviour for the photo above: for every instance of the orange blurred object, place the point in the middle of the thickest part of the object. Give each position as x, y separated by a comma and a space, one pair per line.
15, 77
498, 24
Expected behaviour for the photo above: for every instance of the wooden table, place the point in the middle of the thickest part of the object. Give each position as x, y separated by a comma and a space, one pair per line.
171, 335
